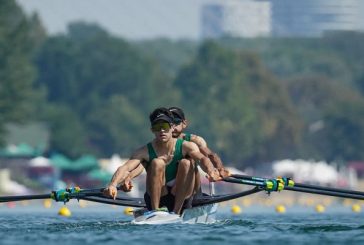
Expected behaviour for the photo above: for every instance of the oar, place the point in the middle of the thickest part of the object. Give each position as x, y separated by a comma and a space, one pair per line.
291, 186
268, 184
24, 198
306, 186
326, 193
131, 202
245, 181
63, 195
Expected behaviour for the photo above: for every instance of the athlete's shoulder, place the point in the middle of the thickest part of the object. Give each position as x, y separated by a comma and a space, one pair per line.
199, 140
141, 152
189, 145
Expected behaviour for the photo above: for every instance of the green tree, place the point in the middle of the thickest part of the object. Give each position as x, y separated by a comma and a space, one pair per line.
19, 39
237, 105
68, 134
87, 70
118, 126
321, 103
344, 129
171, 55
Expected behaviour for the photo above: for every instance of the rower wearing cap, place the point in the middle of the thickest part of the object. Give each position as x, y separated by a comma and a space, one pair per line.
181, 124
170, 176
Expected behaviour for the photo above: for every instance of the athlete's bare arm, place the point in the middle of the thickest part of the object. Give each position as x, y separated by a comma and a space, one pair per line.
137, 171
198, 140
192, 150
214, 158
127, 185
123, 172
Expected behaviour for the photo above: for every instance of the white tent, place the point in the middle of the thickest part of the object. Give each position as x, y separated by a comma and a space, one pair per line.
40, 162
308, 171
9, 186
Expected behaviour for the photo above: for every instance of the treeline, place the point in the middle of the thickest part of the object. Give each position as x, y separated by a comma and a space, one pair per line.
253, 100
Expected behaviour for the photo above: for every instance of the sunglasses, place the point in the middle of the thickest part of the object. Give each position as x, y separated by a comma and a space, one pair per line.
177, 121
159, 126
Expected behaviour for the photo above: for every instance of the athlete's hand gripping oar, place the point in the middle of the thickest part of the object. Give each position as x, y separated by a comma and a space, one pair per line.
299, 185
213, 175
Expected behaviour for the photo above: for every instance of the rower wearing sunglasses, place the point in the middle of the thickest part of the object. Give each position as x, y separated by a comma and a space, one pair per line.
181, 124
170, 176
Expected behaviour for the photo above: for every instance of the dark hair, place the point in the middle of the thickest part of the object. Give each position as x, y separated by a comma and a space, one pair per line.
161, 113
177, 112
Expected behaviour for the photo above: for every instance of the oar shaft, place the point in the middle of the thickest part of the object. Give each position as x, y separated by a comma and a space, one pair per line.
244, 181
23, 198
326, 193
216, 199
307, 186
129, 203
84, 194
246, 177
69, 195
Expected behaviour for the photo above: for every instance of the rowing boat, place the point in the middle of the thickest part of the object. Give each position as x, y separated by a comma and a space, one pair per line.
204, 213
196, 215
203, 207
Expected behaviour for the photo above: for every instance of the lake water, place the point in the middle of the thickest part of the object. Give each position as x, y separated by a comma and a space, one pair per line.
103, 225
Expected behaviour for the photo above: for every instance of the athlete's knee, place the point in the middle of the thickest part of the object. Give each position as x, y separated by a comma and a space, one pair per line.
157, 164
185, 163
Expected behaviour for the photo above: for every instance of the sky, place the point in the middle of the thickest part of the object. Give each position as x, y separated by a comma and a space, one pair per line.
130, 19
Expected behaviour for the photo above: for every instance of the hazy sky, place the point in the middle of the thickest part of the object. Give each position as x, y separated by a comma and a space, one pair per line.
132, 19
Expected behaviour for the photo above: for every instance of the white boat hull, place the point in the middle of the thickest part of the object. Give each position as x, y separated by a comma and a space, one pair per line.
157, 218
198, 215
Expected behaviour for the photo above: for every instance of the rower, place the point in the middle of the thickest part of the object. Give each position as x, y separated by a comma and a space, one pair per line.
170, 178
181, 124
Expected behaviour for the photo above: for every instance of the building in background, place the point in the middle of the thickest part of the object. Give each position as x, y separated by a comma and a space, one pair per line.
244, 18
280, 18
311, 18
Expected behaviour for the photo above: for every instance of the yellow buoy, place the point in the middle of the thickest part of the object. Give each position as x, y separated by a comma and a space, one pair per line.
64, 211
47, 203
280, 209
235, 209
320, 208
356, 208
128, 211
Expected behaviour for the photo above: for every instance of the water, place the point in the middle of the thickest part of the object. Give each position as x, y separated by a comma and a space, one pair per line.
109, 226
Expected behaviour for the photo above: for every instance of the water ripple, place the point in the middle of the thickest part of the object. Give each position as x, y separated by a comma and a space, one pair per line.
109, 228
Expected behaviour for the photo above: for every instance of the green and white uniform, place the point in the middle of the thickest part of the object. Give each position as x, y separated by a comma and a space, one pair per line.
187, 137
172, 167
